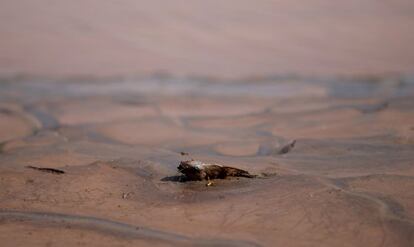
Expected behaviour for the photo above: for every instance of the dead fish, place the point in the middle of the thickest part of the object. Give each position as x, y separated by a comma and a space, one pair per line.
197, 170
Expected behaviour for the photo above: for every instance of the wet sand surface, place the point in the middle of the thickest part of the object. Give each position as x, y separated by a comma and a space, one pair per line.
215, 38
347, 181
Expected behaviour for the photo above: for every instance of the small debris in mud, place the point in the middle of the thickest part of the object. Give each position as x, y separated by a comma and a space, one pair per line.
125, 195
197, 170
287, 148
184, 153
49, 170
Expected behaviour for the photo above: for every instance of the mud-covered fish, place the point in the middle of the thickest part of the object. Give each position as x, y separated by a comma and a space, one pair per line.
197, 170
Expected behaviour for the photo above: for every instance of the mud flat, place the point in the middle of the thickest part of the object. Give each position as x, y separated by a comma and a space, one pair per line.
111, 149
226, 38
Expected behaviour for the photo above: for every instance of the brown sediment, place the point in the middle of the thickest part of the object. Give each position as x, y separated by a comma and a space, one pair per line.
347, 181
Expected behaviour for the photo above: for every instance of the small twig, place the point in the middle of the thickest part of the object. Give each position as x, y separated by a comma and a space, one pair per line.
49, 170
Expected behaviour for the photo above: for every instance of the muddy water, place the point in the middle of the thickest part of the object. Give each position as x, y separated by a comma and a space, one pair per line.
348, 181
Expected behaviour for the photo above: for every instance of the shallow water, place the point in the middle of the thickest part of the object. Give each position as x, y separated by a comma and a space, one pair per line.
348, 181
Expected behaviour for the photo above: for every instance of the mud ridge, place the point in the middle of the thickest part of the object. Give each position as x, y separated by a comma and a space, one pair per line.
114, 228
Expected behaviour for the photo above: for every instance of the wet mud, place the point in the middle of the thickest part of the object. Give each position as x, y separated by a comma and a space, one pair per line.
334, 159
